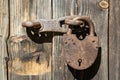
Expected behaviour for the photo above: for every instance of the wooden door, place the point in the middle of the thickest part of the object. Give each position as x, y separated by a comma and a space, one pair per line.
15, 44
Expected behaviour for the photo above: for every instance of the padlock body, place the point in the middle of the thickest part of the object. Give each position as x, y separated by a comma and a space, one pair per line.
80, 54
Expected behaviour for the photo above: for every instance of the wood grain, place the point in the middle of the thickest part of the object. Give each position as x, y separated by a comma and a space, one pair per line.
20, 46
51, 65
114, 40
44, 11
60, 70
100, 18
4, 32
19, 11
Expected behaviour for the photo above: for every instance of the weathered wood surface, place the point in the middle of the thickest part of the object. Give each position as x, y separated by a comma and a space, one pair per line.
51, 65
100, 19
114, 40
19, 11
4, 33
45, 12
38, 68
61, 8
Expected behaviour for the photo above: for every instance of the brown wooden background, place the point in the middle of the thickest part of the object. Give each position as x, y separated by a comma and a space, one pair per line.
52, 66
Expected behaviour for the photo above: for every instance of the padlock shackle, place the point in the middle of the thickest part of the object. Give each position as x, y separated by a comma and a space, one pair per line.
89, 21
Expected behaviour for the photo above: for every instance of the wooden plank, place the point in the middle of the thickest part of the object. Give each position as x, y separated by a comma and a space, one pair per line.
60, 70
19, 12
99, 71
21, 47
4, 32
44, 11
114, 40
87, 8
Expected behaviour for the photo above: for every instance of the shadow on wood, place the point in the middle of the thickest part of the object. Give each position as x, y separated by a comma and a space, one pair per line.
89, 73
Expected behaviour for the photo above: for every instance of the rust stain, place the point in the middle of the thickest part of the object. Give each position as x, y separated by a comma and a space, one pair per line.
80, 54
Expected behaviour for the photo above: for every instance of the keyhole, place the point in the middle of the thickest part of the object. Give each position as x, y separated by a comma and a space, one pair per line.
79, 62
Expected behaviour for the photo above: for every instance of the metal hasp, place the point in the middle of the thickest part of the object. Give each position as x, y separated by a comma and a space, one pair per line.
79, 52
52, 25
45, 25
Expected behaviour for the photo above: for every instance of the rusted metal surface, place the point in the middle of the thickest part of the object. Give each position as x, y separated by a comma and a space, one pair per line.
78, 20
80, 54
54, 25
46, 25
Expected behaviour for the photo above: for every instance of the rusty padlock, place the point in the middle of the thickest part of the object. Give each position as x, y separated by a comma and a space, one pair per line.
80, 54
